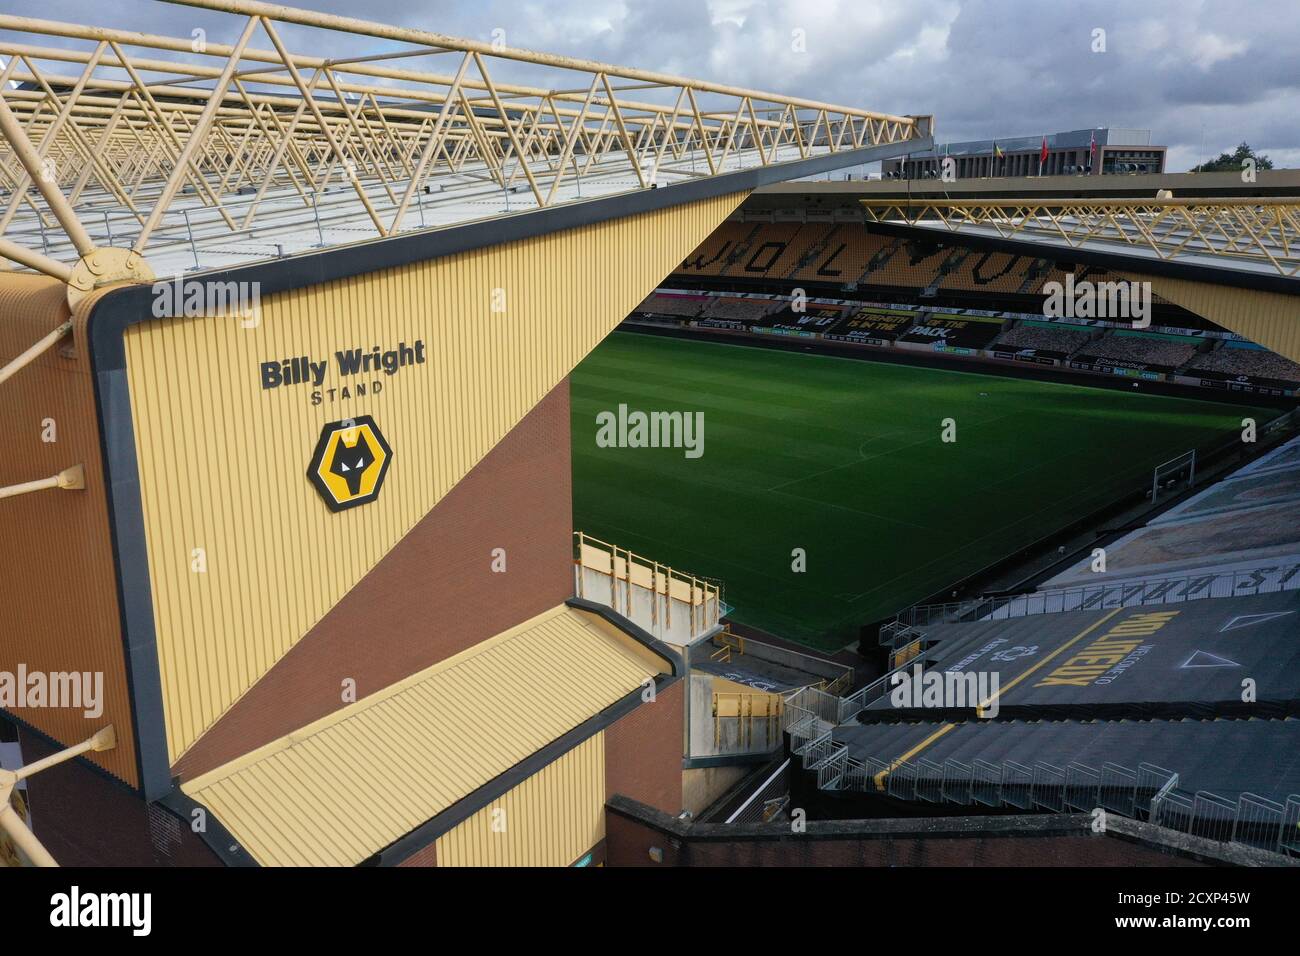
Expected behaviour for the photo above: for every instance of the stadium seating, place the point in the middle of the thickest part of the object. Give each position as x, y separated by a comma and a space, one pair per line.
912, 265
1061, 339
802, 247
659, 304
953, 331
765, 253
720, 249
988, 272
843, 253
1151, 350
874, 322
1256, 363
741, 309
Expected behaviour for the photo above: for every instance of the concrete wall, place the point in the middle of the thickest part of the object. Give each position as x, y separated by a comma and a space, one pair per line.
701, 786
635, 833
667, 618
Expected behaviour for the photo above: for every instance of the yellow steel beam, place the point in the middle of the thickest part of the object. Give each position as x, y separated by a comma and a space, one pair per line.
150, 142
1262, 231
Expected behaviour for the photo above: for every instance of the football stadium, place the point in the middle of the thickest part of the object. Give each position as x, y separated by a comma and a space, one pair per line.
426, 452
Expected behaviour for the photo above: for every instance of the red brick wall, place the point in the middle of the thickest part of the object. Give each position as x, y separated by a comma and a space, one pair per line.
426, 857
643, 752
85, 819
433, 595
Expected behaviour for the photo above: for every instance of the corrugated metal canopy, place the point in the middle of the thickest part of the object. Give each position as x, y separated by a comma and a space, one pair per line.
339, 790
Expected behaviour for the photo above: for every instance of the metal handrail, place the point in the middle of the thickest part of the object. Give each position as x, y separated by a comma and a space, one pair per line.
1131, 593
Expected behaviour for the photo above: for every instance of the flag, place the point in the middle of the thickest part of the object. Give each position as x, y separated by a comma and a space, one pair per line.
997, 151
1092, 150
1042, 153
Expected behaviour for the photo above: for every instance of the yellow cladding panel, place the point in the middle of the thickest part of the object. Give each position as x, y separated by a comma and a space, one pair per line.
1268, 318
551, 819
343, 788
244, 555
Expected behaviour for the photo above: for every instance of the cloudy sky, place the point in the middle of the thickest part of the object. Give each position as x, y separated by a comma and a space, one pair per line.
1202, 76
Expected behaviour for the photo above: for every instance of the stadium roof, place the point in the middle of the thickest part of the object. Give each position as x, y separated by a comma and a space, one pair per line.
1068, 139
842, 194
128, 155
338, 791
1252, 240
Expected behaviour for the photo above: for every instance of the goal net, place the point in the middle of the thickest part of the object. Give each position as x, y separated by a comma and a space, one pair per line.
1173, 476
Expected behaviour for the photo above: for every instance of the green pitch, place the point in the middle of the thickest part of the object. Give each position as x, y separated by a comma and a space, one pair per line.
844, 459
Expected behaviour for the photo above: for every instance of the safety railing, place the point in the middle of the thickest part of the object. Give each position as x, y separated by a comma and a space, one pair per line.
1267, 579
855, 703
1251, 820
1148, 792
839, 685
670, 604
820, 704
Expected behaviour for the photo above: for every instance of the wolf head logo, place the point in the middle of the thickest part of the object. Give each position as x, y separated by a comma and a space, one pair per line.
351, 461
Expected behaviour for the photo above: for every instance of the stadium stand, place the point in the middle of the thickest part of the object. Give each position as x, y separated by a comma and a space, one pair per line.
1171, 676
953, 332
814, 318
742, 309
1050, 338
818, 262
660, 303
991, 271
1130, 699
801, 246
1221, 758
872, 322
720, 249
1149, 350
847, 253
1241, 358
1239, 536
766, 253
913, 265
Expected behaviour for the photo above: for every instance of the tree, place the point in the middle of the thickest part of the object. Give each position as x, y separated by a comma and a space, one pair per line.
1234, 161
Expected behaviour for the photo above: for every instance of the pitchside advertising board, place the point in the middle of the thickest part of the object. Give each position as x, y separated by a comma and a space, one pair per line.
1122, 368
1036, 356
1238, 383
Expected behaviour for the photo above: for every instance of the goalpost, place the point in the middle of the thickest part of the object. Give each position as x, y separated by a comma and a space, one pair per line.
1175, 467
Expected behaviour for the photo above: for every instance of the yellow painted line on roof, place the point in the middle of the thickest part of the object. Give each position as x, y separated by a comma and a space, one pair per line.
894, 764
979, 711
880, 777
